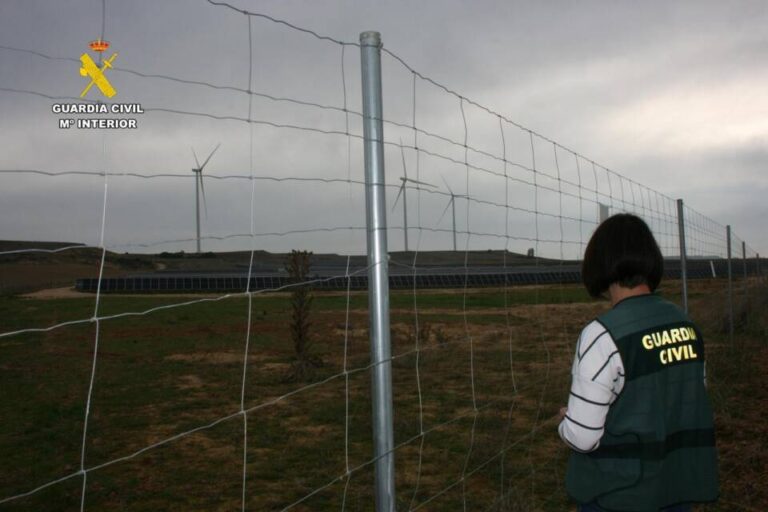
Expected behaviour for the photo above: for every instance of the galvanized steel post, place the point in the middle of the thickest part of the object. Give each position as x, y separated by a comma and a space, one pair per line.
683, 255
378, 272
730, 285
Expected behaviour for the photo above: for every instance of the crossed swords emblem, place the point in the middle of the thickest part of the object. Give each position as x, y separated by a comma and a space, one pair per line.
96, 74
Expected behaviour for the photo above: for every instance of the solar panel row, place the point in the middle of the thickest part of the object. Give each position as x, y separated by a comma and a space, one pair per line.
212, 283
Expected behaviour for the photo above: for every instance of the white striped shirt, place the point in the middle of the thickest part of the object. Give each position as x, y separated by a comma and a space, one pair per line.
598, 378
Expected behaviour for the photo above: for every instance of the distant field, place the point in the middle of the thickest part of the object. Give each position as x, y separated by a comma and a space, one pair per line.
178, 369
32, 271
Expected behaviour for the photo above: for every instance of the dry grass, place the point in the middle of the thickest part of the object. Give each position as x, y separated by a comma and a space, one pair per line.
491, 380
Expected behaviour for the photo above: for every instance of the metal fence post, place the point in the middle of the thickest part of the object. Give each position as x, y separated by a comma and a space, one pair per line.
744, 257
730, 284
683, 255
378, 272
604, 211
744, 265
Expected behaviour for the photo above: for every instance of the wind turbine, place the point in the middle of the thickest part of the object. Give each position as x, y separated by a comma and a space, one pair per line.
452, 205
404, 179
200, 188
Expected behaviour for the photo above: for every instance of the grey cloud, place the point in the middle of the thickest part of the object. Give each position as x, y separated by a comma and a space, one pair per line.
567, 70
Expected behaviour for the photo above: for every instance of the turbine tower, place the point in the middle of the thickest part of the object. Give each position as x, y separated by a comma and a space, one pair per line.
452, 205
200, 188
404, 179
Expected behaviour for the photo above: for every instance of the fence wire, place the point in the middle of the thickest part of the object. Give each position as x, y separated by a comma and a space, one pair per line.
160, 394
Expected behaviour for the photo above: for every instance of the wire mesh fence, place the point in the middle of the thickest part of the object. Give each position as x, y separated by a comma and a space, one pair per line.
189, 398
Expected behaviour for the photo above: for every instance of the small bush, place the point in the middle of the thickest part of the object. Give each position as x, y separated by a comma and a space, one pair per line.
297, 266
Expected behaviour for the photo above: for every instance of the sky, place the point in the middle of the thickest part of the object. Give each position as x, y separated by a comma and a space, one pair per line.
668, 95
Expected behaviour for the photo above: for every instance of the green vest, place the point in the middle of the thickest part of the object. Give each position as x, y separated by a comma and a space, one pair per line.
658, 447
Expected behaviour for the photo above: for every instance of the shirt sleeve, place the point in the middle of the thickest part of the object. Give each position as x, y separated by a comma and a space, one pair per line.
597, 379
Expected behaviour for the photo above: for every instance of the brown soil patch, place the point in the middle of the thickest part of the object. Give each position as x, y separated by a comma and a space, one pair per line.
31, 275
58, 293
213, 358
190, 382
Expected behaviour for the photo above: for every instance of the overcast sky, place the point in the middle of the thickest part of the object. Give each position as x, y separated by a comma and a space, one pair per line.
671, 95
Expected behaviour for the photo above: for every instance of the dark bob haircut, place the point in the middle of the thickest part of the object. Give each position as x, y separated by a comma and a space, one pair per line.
622, 250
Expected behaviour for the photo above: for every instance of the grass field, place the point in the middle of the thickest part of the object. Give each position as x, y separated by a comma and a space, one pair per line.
481, 431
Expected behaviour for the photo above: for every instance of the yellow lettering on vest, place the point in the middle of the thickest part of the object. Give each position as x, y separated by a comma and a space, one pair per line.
693, 332
647, 342
665, 340
675, 335
685, 334
691, 353
677, 353
663, 353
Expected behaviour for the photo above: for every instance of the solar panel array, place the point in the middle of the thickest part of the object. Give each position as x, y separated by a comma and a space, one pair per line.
700, 269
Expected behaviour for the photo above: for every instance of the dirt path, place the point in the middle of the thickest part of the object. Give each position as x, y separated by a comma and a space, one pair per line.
57, 293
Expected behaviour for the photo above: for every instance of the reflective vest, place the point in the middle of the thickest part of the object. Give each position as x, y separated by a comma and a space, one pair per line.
658, 448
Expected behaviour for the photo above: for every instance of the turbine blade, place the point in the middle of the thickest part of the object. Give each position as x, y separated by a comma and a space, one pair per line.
209, 156
202, 189
447, 185
444, 211
399, 193
420, 182
195, 155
